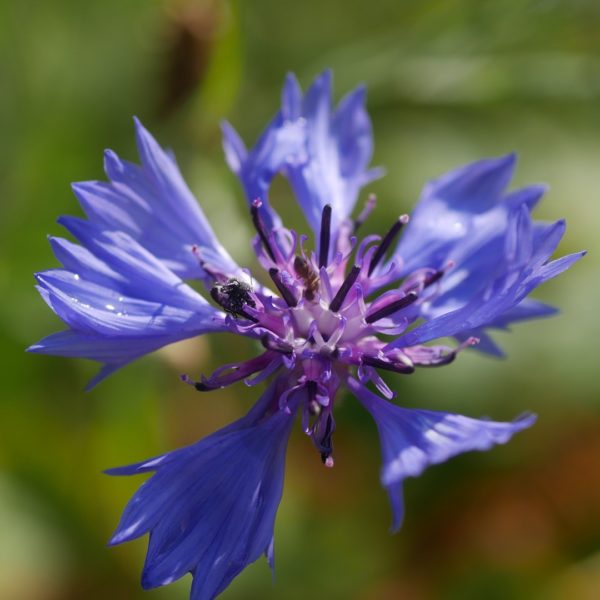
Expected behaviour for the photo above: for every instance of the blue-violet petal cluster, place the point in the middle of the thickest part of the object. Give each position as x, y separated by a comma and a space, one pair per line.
333, 309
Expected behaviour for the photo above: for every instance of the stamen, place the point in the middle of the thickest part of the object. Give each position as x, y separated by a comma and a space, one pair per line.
228, 374
365, 212
337, 302
386, 242
215, 275
325, 442
265, 373
283, 399
380, 384
325, 235
284, 290
276, 344
365, 250
290, 239
431, 279
446, 359
391, 308
324, 285
260, 228
437, 275
396, 367
314, 408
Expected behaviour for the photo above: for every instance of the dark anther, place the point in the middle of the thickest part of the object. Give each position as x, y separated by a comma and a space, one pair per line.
325, 443
215, 275
231, 373
284, 290
339, 298
396, 367
260, 229
386, 242
233, 296
325, 235
272, 343
308, 275
365, 212
391, 308
431, 279
444, 360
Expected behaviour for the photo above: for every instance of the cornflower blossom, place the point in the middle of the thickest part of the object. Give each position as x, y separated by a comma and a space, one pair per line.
337, 311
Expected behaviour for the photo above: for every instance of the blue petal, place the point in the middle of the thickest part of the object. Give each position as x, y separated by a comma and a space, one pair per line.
153, 204
92, 308
519, 270
234, 148
210, 508
338, 149
528, 309
525, 311
114, 259
412, 440
257, 168
324, 153
476, 253
486, 344
461, 207
528, 196
118, 300
291, 98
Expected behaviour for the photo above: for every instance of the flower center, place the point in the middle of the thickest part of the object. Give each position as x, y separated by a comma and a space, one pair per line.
322, 322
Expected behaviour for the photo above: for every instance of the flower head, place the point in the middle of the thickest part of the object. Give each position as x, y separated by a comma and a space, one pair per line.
333, 310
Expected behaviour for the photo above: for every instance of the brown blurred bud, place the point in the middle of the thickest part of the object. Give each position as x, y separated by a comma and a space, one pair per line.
192, 29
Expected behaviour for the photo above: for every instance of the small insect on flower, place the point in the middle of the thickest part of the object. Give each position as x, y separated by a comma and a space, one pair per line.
342, 313
308, 276
233, 296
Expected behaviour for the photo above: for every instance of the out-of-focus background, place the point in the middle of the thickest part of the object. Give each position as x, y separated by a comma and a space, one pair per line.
449, 82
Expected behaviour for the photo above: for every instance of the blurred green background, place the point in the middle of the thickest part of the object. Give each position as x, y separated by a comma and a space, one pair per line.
449, 82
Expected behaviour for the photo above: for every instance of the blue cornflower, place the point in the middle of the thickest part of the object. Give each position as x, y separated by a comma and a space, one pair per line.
465, 263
